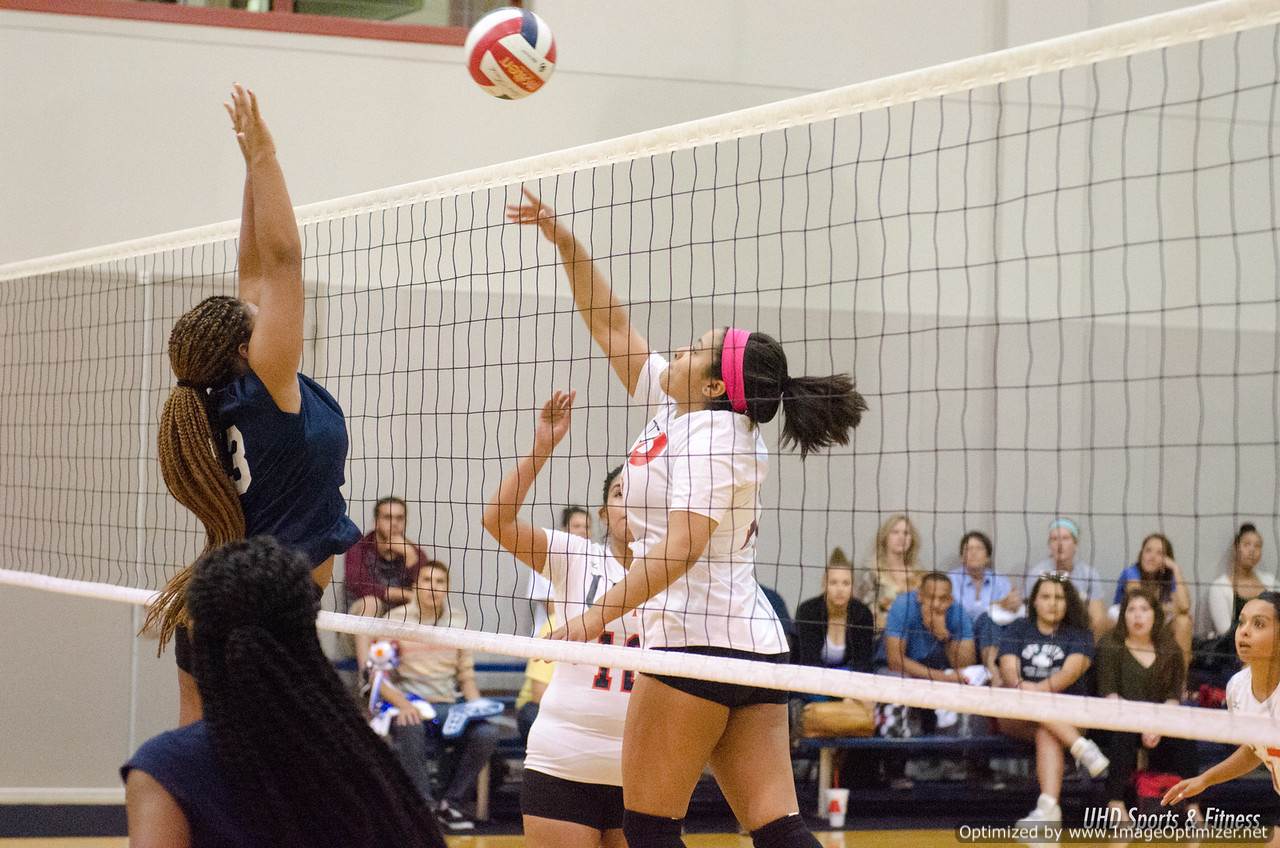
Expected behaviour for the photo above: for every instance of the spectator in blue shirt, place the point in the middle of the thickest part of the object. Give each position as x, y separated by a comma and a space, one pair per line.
981, 593
1158, 572
927, 634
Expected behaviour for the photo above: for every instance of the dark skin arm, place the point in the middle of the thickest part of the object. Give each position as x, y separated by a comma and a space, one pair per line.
155, 819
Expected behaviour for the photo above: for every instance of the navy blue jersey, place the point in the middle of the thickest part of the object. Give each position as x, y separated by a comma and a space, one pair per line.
183, 762
288, 467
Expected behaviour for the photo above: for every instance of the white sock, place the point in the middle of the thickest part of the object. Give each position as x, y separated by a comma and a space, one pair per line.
1078, 746
1046, 802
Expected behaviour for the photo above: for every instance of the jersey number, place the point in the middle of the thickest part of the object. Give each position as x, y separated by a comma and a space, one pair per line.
604, 677
239, 465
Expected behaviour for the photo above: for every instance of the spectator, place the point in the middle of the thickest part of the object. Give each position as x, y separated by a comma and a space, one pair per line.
282, 756
927, 634
382, 567
1064, 538
892, 569
442, 676
1158, 572
576, 521
1242, 583
980, 592
1140, 661
835, 629
1215, 657
1049, 651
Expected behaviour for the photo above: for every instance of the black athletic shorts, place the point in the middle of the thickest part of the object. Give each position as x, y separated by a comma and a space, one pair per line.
727, 694
595, 805
182, 649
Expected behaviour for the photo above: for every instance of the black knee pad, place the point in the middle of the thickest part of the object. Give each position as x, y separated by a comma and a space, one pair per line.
645, 831
786, 832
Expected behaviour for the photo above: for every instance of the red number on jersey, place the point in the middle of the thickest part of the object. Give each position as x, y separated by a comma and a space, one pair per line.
604, 675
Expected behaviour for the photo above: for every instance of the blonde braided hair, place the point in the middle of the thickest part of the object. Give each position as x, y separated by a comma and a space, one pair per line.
204, 353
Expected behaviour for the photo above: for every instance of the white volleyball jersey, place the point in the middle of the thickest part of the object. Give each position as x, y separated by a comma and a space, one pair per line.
578, 732
712, 463
1240, 700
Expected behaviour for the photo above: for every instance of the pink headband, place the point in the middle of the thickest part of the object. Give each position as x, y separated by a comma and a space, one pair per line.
731, 354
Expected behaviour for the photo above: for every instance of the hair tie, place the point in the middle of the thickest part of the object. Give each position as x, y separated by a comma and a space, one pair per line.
188, 384
731, 354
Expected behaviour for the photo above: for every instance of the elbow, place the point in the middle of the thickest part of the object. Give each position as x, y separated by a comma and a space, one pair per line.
490, 520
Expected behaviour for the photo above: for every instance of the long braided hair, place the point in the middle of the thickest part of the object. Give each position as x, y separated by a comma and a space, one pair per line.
303, 767
204, 352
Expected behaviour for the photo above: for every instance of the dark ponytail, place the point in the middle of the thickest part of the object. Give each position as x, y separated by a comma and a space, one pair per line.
818, 412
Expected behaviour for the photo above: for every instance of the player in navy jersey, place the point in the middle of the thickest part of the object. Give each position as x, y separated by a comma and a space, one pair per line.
691, 486
571, 796
246, 443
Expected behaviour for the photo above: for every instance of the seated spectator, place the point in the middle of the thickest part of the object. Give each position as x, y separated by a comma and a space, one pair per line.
784, 615
927, 635
979, 591
444, 677
576, 521
892, 568
835, 629
382, 567
1215, 657
1064, 538
1049, 651
1140, 661
1243, 582
1158, 572
283, 756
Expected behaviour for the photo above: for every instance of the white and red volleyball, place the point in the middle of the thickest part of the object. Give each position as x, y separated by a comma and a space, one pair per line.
510, 53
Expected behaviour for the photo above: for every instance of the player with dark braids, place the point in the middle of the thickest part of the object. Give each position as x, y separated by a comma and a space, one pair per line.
282, 757
247, 443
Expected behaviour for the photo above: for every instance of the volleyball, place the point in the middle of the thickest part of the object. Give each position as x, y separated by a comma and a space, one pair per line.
510, 53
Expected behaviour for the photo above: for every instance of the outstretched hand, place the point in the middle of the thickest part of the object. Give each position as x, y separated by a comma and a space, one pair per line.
533, 211
246, 121
584, 628
1184, 789
553, 422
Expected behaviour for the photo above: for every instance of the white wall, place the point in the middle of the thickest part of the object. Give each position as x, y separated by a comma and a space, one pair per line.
121, 136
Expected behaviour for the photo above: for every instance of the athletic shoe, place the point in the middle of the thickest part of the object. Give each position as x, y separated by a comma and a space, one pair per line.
452, 818
1044, 814
1087, 754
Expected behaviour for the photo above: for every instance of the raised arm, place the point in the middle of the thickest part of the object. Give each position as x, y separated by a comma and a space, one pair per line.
605, 315
275, 348
249, 266
502, 514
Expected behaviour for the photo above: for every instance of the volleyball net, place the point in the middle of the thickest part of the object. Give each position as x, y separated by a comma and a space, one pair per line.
1052, 271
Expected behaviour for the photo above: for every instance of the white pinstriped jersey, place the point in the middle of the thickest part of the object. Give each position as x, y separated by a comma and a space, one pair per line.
1240, 699
578, 733
709, 462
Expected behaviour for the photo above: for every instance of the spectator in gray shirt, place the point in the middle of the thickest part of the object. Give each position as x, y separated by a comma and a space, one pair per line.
1064, 536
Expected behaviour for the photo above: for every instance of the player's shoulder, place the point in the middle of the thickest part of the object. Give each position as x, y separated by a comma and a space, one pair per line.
1240, 682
